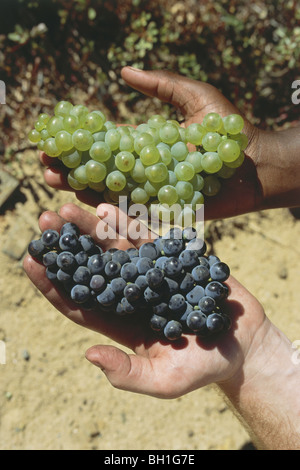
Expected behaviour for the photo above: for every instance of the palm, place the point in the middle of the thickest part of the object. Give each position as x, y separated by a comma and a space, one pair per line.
157, 368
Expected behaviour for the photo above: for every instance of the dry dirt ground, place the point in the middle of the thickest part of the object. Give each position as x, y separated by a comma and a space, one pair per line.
52, 398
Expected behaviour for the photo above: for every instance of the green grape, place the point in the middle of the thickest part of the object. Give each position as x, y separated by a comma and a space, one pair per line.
226, 172
63, 141
95, 171
39, 125
99, 187
156, 121
155, 134
211, 141
80, 111
43, 117
126, 143
45, 134
71, 159
211, 162
174, 122
116, 181
50, 148
194, 133
109, 125
125, 161
151, 188
184, 189
211, 186
123, 130
172, 178
138, 172
99, 136
165, 153
100, 152
198, 182
80, 174
241, 139
63, 108
40, 145
238, 162
169, 133
141, 141
212, 122
179, 151
156, 173
34, 136
139, 196
112, 138
182, 134
72, 181
228, 150
143, 128
101, 114
71, 123
149, 155
196, 200
93, 122
82, 139
184, 171
167, 195
233, 124
54, 125
195, 159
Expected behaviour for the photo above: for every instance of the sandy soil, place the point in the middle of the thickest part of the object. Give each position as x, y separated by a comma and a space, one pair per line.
51, 397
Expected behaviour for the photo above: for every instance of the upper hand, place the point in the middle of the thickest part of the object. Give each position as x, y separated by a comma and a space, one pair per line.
240, 194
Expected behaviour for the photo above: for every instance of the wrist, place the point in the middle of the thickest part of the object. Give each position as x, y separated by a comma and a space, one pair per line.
264, 391
276, 157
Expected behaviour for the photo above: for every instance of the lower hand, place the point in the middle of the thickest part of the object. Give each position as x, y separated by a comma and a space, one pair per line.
157, 368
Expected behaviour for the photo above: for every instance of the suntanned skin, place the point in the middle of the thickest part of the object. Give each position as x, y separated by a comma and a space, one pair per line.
252, 364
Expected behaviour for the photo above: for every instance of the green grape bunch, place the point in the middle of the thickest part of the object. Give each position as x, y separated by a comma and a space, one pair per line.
157, 162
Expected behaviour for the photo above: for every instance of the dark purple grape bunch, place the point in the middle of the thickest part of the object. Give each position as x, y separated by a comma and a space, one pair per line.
170, 282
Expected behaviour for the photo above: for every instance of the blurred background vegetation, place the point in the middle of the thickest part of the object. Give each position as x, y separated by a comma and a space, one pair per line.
74, 49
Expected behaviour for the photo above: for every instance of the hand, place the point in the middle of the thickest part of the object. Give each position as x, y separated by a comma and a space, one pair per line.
156, 368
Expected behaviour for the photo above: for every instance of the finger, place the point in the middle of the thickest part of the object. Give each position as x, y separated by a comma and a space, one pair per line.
49, 161
134, 230
124, 371
190, 96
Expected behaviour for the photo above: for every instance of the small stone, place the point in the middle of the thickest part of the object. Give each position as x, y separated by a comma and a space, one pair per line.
26, 355
282, 272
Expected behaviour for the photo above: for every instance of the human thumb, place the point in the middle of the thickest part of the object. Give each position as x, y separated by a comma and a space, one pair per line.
124, 371
190, 96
